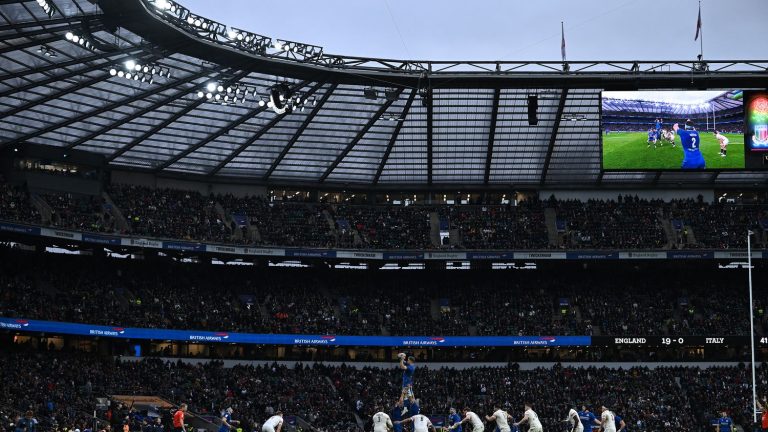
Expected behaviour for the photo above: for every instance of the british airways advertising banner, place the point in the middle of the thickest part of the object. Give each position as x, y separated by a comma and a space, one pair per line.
24, 325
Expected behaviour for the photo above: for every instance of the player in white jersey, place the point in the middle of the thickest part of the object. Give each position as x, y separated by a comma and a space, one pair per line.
723, 143
471, 418
420, 422
575, 421
381, 421
501, 417
669, 135
274, 423
534, 425
608, 423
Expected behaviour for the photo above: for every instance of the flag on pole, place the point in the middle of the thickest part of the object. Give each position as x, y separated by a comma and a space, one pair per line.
562, 44
698, 25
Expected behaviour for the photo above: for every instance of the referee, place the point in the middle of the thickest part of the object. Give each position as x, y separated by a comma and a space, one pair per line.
178, 418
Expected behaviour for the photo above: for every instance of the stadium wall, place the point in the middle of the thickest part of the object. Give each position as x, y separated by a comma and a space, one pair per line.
662, 194
40, 181
150, 180
438, 365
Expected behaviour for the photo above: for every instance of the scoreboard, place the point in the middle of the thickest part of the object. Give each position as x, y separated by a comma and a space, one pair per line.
662, 341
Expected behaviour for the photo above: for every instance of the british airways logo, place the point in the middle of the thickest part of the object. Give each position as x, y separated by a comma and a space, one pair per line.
541, 340
423, 342
114, 331
322, 340
216, 337
16, 324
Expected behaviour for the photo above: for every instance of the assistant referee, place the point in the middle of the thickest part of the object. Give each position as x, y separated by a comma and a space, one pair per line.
178, 418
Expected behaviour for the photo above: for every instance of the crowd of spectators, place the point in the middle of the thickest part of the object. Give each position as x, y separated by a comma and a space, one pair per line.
15, 204
61, 388
625, 223
719, 225
497, 227
170, 213
282, 223
80, 212
387, 227
163, 294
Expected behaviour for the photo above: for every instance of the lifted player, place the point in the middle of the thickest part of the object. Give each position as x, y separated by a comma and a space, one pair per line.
408, 368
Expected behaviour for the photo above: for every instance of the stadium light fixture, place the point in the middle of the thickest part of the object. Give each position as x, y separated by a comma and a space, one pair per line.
162, 5
146, 73
370, 93
46, 51
80, 40
48, 7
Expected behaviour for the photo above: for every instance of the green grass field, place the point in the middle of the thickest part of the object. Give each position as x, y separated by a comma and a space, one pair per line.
629, 150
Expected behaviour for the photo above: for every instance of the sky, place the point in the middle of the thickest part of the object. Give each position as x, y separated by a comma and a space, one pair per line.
511, 30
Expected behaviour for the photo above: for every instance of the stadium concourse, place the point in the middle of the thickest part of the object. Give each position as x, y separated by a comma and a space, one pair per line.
206, 229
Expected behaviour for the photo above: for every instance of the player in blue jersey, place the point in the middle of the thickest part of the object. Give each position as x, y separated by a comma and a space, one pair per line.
397, 415
621, 426
588, 419
454, 418
226, 421
409, 368
413, 406
651, 138
724, 423
690, 142
658, 125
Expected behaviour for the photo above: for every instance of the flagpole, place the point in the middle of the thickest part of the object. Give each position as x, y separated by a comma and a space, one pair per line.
701, 52
752, 327
562, 34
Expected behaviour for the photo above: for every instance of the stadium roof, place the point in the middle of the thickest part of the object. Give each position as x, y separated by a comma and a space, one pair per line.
57, 88
673, 102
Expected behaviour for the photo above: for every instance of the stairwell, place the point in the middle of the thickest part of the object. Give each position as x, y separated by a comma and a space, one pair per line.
227, 218
669, 232
550, 220
121, 224
691, 237
434, 309
434, 229
45, 210
331, 225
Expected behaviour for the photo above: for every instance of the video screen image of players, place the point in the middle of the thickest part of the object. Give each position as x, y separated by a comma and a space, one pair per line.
673, 130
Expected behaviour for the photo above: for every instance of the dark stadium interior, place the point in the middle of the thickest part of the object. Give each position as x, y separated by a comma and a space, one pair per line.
192, 213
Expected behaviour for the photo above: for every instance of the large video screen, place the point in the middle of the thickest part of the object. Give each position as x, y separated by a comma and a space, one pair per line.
673, 130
